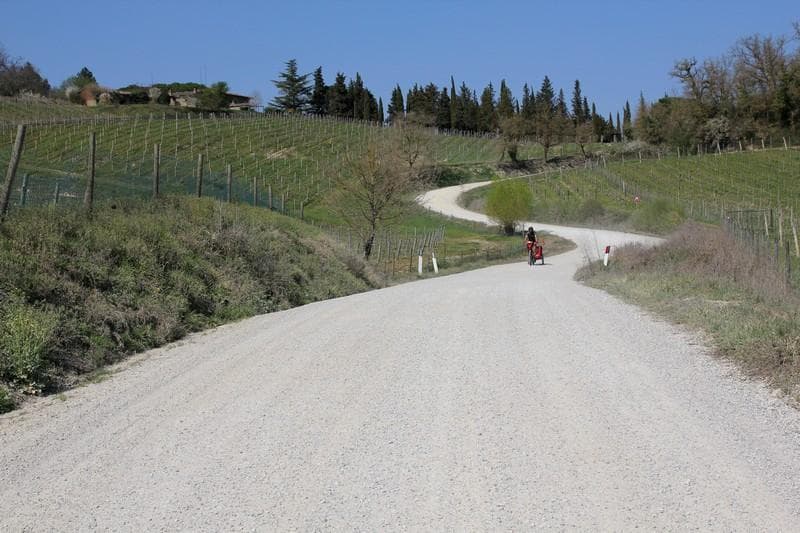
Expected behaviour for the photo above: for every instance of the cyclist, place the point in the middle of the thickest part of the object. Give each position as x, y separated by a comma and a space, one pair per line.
530, 236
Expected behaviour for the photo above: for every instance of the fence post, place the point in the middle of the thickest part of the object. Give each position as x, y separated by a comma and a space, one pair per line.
24, 193
156, 169
88, 197
255, 191
56, 193
199, 174
269, 196
788, 264
230, 183
12, 170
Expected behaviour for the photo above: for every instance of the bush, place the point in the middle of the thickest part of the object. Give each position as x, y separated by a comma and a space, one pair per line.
657, 216
508, 203
6, 400
26, 334
590, 209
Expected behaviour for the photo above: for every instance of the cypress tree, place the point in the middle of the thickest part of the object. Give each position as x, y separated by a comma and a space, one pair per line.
587, 115
487, 120
355, 92
456, 116
505, 104
381, 118
293, 89
443, 111
640, 124
619, 128
396, 106
627, 126
561, 106
338, 101
319, 96
527, 103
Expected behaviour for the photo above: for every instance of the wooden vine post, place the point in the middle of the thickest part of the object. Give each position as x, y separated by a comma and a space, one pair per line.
88, 197
16, 153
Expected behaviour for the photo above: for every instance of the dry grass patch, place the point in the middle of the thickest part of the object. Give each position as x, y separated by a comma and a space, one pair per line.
703, 278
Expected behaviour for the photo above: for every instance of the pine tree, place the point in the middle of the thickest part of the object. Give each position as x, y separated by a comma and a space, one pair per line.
587, 115
338, 101
505, 103
488, 116
577, 104
293, 90
319, 96
545, 98
396, 106
381, 118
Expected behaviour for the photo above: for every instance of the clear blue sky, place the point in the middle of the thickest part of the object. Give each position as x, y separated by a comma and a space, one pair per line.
615, 48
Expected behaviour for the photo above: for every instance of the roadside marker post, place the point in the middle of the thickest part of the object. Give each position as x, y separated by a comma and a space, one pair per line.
606, 255
435, 264
419, 265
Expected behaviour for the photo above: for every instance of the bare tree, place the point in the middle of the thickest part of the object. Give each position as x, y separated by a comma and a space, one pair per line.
373, 189
513, 130
761, 62
583, 135
692, 77
411, 143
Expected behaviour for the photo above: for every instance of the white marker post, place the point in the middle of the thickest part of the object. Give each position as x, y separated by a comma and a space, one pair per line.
419, 265
435, 264
605, 255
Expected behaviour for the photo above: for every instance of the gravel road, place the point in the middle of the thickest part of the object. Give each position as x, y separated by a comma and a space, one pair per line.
502, 398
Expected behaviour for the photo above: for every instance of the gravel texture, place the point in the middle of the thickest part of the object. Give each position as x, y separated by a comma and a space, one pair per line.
504, 398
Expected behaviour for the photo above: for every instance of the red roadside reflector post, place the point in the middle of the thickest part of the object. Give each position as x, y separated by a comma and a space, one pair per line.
605, 255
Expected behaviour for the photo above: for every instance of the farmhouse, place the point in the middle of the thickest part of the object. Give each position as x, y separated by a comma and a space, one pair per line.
236, 102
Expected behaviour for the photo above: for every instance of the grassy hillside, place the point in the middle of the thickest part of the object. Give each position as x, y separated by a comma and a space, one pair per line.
77, 294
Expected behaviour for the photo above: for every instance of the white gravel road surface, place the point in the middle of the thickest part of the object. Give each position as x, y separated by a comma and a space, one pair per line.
508, 398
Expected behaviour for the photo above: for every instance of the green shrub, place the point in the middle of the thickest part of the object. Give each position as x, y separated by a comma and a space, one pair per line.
657, 216
26, 335
508, 203
6, 400
590, 209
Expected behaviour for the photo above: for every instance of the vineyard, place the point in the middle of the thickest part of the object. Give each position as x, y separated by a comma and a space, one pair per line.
285, 160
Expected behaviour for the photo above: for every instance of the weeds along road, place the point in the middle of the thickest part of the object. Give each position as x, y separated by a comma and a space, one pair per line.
502, 398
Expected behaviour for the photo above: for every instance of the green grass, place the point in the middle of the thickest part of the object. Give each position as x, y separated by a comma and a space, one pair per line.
705, 280
669, 190
576, 197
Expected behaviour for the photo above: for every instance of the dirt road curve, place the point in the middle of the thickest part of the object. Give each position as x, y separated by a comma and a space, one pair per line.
504, 398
